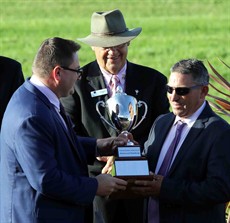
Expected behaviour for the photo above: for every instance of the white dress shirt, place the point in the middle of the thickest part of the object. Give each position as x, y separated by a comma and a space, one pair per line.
121, 75
189, 123
48, 93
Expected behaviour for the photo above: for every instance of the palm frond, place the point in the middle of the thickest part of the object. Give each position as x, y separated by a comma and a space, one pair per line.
219, 109
219, 90
221, 80
220, 104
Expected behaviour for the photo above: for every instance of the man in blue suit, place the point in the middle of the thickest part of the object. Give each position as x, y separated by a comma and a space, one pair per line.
196, 185
43, 163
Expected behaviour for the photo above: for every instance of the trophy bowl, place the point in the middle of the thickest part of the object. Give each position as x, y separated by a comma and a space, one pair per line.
123, 112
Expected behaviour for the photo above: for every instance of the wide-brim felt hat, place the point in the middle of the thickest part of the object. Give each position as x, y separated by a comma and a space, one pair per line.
109, 29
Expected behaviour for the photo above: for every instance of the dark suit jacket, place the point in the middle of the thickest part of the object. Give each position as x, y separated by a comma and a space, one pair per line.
198, 183
11, 77
43, 170
143, 83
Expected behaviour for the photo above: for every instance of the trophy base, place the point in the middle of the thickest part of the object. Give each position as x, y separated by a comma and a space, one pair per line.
128, 193
131, 166
130, 169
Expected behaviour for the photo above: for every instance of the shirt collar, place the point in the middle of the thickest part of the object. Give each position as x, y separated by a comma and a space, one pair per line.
190, 120
46, 91
121, 74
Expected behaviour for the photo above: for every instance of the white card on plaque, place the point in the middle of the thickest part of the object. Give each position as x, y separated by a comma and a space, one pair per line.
129, 151
131, 167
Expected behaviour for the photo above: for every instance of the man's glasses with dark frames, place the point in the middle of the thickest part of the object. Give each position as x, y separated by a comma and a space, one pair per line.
79, 71
181, 90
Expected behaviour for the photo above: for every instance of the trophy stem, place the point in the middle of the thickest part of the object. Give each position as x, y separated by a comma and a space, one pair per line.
129, 143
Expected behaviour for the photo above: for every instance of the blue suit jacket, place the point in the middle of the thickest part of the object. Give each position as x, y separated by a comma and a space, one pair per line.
44, 172
198, 183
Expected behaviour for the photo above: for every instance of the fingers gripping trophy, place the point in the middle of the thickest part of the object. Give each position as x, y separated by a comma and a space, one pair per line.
123, 115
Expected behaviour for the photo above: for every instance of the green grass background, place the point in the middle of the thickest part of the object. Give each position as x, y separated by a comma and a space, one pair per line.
172, 29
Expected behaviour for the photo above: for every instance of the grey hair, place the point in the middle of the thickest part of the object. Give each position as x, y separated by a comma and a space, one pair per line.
192, 67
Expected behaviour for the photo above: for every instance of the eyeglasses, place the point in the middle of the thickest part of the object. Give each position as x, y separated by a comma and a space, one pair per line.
79, 71
181, 90
115, 47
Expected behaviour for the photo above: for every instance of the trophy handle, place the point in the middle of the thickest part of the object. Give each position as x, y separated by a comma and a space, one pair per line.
102, 103
140, 103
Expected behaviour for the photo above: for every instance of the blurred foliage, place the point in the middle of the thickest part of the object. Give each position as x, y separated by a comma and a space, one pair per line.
220, 104
228, 212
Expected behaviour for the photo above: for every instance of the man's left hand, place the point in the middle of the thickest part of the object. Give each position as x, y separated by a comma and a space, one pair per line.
148, 188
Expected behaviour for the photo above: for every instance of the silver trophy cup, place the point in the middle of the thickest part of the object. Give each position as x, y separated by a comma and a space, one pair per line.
123, 111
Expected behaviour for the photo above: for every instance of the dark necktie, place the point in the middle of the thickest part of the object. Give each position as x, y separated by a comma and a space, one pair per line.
72, 135
68, 121
169, 155
153, 206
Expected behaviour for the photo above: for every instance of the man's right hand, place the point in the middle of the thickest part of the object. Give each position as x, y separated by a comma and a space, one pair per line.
108, 184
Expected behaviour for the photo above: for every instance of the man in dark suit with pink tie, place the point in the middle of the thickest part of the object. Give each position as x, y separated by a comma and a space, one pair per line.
110, 40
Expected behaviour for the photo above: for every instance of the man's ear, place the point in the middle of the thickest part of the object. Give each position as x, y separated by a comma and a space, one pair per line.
56, 73
204, 91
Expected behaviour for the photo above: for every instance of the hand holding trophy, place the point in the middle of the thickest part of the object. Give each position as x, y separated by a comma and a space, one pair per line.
123, 114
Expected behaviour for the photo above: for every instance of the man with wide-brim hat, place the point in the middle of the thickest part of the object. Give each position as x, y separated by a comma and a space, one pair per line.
109, 29
110, 39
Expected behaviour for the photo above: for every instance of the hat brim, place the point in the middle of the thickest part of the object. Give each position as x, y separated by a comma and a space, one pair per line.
111, 40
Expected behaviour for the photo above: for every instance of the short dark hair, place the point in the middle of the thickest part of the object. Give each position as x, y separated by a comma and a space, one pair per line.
192, 67
52, 52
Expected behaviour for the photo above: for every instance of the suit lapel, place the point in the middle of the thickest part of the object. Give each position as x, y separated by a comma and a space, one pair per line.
58, 119
133, 84
76, 149
158, 137
96, 82
193, 134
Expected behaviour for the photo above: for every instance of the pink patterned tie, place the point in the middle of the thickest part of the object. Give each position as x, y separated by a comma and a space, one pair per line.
153, 206
114, 82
